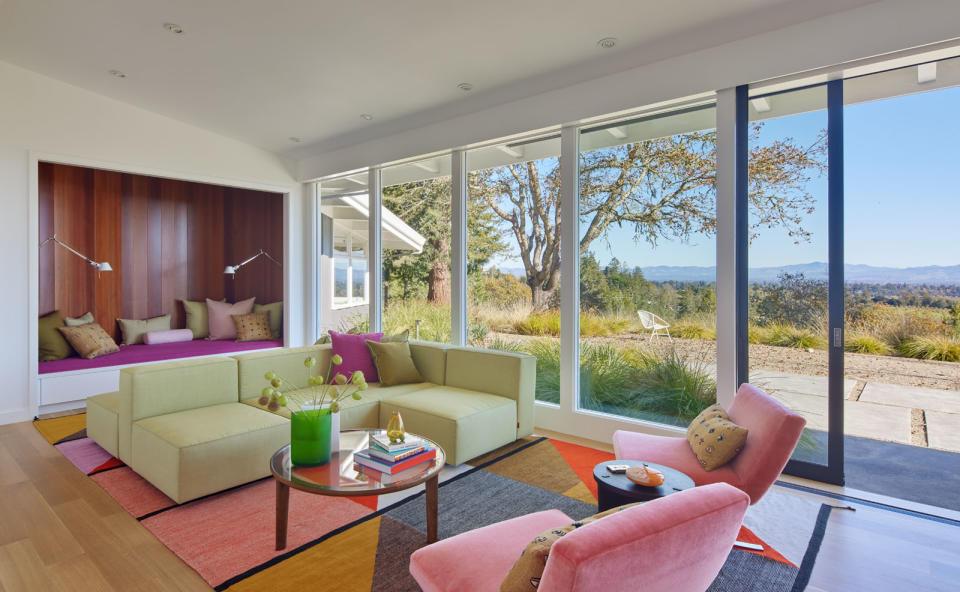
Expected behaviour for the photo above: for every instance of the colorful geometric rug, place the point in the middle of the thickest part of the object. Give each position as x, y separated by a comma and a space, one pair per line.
364, 543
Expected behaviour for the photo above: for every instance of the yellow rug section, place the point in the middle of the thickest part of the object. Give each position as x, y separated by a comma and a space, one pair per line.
58, 428
342, 562
582, 493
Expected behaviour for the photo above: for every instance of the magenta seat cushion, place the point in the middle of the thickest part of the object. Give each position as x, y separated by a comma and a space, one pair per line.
168, 336
355, 353
220, 317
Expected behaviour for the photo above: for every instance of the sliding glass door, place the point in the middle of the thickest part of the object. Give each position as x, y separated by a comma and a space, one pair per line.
792, 286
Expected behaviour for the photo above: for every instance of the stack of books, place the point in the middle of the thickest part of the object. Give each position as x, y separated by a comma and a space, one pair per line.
385, 462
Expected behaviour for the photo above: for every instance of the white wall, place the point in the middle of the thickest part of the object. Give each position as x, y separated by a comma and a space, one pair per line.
40, 116
871, 30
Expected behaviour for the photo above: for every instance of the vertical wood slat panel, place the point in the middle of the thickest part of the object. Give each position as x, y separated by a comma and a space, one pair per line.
47, 295
167, 240
108, 246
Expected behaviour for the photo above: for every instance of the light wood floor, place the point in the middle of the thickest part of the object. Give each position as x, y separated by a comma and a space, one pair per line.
60, 532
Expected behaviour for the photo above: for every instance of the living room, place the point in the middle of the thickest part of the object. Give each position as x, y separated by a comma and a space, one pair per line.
224, 215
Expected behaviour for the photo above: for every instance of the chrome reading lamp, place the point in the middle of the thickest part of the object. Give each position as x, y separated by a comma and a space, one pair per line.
101, 266
232, 269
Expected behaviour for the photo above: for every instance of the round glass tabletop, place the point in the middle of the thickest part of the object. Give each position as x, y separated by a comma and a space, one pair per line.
343, 476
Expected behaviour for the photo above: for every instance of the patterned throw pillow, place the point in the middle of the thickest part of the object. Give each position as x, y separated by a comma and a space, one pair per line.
253, 327
525, 574
714, 439
90, 340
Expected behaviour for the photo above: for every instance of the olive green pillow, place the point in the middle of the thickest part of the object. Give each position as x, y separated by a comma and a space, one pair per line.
52, 344
275, 309
197, 320
394, 362
85, 319
133, 330
714, 438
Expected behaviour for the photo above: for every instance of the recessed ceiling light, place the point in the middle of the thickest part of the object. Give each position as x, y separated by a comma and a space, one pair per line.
465, 86
295, 139
117, 73
607, 42
173, 28
366, 116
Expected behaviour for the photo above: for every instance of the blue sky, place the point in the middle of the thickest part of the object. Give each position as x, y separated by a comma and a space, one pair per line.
902, 196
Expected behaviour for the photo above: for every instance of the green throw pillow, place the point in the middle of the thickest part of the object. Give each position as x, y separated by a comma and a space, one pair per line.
133, 330
86, 319
197, 320
394, 362
52, 344
276, 317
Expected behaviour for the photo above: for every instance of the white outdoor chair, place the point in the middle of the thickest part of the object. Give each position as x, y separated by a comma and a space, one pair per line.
654, 324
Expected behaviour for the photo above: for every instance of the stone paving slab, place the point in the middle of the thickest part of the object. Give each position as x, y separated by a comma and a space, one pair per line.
912, 396
943, 430
879, 422
797, 383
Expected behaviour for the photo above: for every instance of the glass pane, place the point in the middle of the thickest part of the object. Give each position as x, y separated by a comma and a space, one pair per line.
902, 289
343, 260
513, 249
647, 267
417, 208
788, 324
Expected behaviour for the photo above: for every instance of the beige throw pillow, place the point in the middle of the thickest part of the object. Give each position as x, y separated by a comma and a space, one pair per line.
133, 330
714, 438
90, 340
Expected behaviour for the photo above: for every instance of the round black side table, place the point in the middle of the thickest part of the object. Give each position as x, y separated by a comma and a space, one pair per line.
616, 490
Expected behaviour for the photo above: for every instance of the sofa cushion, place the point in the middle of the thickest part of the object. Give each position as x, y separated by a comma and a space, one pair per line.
189, 454
430, 359
103, 413
507, 374
464, 423
287, 362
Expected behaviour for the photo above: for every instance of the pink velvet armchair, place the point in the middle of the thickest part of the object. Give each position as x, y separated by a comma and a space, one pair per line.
672, 544
773, 434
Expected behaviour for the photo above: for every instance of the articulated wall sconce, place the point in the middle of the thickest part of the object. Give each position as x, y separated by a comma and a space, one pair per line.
101, 266
232, 269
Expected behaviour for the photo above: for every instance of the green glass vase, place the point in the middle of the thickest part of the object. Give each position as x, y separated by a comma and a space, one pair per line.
309, 438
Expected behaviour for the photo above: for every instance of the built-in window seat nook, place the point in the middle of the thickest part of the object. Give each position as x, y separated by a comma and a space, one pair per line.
67, 383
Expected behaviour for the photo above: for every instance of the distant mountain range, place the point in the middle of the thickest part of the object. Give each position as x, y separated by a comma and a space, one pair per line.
867, 274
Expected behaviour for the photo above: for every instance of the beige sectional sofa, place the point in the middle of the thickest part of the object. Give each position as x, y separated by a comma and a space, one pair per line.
195, 427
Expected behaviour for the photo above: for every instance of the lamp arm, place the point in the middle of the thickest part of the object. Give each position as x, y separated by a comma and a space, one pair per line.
69, 248
262, 252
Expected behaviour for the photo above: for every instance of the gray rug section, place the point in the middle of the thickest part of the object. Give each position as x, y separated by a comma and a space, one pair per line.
392, 569
482, 498
746, 572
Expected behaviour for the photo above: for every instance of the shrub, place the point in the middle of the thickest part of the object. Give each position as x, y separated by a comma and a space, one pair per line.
945, 349
692, 330
790, 336
862, 343
675, 386
541, 324
897, 324
402, 315
547, 324
758, 334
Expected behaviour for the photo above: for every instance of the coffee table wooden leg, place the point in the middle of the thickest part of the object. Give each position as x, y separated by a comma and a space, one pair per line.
432, 491
283, 505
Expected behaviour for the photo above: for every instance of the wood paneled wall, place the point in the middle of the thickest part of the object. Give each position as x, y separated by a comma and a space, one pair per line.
167, 240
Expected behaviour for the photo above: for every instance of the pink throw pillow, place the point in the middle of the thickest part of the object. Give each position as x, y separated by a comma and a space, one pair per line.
355, 353
168, 336
219, 315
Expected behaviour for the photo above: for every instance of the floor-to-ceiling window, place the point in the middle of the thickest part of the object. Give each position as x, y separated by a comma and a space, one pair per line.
647, 220
513, 253
416, 240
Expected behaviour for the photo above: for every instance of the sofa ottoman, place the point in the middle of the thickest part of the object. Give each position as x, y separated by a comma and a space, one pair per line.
103, 412
196, 452
463, 422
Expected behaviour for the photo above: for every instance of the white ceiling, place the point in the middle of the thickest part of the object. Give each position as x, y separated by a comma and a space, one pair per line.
263, 71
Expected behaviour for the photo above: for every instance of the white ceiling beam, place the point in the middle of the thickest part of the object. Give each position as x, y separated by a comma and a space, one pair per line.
762, 105
427, 166
927, 73
352, 178
617, 132
510, 151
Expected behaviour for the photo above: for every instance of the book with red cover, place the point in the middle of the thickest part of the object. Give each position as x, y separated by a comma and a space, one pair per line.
364, 458
387, 478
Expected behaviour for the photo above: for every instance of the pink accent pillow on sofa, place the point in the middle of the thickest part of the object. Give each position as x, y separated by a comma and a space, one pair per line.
355, 353
219, 315
168, 336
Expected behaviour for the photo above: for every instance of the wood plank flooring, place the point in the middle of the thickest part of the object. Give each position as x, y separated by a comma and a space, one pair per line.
60, 532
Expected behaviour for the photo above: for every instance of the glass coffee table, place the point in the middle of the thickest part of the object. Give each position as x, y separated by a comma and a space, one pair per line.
343, 477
